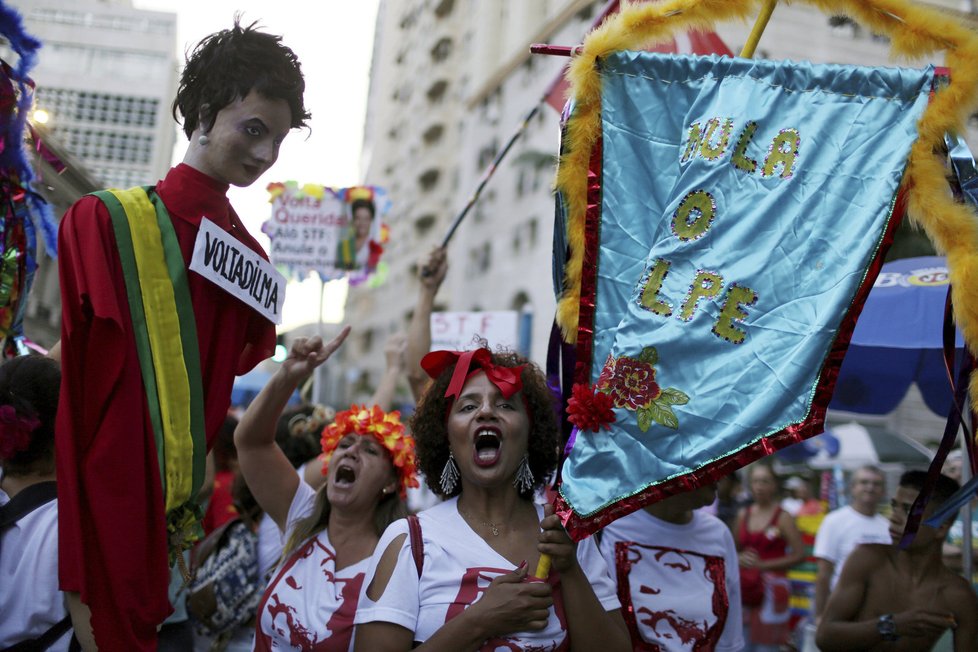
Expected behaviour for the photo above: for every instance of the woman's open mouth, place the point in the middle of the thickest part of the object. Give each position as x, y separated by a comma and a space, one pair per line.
487, 447
345, 476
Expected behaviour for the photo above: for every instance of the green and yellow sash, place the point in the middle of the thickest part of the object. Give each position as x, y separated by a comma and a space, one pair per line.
166, 337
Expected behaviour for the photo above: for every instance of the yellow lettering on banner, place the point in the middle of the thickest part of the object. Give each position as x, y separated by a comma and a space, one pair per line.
706, 285
699, 205
709, 149
782, 153
650, 292
692, 142
740, 158
733, 313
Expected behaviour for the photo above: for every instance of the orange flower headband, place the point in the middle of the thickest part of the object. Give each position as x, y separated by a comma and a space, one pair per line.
385, 427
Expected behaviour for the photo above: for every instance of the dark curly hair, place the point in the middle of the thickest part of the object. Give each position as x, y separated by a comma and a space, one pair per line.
228, 65
428, 425
30, 384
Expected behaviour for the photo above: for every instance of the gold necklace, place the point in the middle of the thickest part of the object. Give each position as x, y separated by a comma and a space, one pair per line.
493, 527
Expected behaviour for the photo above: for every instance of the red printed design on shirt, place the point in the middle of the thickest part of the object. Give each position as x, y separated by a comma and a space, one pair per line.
284, 619
672, 599
476, 581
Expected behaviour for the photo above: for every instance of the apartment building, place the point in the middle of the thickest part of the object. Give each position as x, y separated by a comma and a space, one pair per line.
106, 75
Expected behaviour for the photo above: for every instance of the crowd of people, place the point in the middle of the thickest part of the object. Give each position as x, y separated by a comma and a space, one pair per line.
311, 545
308, 540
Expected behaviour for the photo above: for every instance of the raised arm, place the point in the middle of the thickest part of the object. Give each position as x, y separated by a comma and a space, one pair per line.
394, 352
431, 275
267, 471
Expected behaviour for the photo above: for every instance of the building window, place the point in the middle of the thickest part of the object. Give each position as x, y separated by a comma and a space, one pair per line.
525, 234
437, 91
433, 134
487, 154
520, 302
444, 8
442, 49
429, 179
423, 224
484, 257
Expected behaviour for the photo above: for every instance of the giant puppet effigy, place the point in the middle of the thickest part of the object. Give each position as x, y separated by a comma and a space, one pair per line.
725, 219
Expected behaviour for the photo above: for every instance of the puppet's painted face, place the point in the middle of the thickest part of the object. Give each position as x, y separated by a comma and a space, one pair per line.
244, 140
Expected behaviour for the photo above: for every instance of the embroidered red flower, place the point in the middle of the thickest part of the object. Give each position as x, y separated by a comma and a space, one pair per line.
589, 409
631, 383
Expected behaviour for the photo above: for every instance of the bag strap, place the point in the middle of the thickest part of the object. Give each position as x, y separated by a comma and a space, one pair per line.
26, 501
417, 544
45, 640
212, 542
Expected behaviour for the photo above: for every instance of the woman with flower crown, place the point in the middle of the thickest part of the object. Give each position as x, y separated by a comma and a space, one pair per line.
330, 533
456, 577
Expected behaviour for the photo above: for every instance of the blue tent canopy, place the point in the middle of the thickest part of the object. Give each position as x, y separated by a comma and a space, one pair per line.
898, 340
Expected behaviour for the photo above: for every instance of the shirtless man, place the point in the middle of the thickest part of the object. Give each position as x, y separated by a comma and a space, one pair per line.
892, 599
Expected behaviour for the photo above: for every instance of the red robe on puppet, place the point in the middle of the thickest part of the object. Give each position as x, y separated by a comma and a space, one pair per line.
112, 527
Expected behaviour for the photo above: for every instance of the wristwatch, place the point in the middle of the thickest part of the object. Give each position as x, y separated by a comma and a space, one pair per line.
887, 628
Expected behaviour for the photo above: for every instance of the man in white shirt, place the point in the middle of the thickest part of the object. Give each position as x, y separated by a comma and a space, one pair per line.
848, 527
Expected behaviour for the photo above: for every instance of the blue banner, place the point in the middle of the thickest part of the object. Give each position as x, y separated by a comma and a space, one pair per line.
742, 205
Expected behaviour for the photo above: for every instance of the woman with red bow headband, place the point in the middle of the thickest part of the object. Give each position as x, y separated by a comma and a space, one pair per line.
330, 533
456, 576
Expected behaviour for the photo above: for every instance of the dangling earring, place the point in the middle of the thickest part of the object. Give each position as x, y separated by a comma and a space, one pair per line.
524, 476
202, 140
449, 475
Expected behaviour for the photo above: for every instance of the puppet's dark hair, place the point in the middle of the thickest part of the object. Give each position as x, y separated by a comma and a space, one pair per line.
228, 65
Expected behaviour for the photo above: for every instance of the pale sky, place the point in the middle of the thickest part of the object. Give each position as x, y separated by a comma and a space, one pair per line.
333, 40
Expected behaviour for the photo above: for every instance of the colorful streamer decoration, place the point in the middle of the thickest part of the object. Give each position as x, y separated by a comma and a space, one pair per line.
23, 212
726, 219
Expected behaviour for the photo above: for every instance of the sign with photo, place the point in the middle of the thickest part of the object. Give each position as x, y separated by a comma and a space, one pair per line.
335, 232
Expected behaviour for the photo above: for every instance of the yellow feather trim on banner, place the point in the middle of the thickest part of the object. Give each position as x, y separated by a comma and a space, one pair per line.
914, 31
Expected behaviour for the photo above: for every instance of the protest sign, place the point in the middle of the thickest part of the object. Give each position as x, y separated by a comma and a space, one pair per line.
457, 331
333, 232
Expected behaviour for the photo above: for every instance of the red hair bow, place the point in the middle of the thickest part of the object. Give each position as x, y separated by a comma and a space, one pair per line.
509, 380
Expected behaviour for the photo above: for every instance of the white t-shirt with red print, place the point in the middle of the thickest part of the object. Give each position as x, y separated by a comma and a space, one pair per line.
309, 604
458, 568
679, 585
